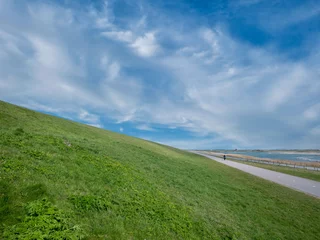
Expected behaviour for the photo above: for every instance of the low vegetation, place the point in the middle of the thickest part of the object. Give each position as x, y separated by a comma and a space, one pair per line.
299, 172
65, 180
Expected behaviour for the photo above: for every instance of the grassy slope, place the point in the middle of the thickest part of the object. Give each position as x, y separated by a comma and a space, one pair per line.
110, 186
304, 173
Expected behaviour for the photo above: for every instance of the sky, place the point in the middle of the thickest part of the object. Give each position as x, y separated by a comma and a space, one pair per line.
192, 74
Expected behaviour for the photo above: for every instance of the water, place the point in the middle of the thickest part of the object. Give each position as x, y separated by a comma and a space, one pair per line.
299, 157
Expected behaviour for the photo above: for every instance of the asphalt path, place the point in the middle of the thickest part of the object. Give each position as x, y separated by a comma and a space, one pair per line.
297, 183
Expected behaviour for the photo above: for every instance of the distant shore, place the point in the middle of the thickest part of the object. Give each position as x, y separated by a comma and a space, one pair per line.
305, 164
306, 152
297, 152
293, 151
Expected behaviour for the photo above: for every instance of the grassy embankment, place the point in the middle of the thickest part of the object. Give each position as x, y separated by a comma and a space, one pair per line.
61, 179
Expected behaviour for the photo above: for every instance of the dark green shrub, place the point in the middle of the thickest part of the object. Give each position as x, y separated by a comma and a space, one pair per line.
34, 192
43, 221
19, 131
86, 203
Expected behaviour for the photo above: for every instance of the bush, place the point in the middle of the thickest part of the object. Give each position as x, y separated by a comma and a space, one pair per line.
43, 221
86, 203
18, 131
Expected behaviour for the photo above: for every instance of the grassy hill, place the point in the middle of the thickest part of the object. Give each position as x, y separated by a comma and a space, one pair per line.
64, 180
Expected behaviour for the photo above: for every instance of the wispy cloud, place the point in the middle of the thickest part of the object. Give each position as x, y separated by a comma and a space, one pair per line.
146, 45
89, 118
123, 36
151, 68
145, 127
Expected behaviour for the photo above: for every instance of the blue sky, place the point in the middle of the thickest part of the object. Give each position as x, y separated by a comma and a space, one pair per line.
190, 74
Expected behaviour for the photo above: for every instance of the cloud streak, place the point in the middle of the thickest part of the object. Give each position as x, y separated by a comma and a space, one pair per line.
97, 65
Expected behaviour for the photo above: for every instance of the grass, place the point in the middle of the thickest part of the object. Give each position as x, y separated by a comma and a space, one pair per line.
64, 180
299, 172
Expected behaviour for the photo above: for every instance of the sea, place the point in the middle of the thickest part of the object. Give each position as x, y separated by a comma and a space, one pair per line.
299, 157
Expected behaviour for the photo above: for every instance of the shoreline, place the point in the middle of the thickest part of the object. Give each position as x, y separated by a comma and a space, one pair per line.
280, 162
297, 152
304, 152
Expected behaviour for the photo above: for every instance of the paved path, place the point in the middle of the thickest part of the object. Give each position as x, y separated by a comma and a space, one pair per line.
301, 184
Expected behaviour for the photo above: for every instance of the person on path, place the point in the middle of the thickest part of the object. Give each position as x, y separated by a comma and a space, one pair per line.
224, 157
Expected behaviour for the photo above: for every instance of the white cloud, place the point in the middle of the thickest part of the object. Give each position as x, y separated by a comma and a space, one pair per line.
145, 127
49, 55
188, 144
247, 2
124, 36
313, 112
286, 87
212, 38
205, 82
235, 100
89, 117
130, 115
41, 107
195, 144
103, 19
146, 45
303, 14
95, 125
286, 17
73, 114
9, 44
53, 69
114, 70
121, 129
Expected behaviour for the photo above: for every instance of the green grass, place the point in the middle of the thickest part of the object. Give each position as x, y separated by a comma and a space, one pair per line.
64, 180
299, 172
